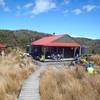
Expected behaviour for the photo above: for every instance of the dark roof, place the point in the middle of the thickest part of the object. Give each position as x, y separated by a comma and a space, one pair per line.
57, 40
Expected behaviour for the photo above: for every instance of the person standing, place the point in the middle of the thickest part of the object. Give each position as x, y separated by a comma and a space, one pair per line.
2, 53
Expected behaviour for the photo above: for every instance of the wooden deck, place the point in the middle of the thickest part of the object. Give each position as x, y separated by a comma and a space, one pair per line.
62, 60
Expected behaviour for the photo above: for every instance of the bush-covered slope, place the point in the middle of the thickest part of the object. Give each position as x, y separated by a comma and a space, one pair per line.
8, 37
90, 43
19, 38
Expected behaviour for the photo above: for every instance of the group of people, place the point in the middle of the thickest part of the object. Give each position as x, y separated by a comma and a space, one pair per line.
57, 57
83, 60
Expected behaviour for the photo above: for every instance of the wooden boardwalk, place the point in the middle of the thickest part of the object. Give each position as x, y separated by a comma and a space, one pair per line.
30, 88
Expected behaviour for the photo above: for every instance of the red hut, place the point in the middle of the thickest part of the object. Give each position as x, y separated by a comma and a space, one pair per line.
56, 45
2, 49
2, 46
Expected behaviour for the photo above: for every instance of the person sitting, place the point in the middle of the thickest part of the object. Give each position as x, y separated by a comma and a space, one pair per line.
83, 60
42, 58
93, 51
90, 70
77, 59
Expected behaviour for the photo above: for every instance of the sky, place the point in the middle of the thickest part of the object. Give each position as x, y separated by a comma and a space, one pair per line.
79, 18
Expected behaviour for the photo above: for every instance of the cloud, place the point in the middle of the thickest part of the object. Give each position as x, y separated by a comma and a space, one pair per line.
4, 6
2, 3
42, 6
66, 11
18, 7
28, 5
66, 1
77, 11
89, 8
7, 9
85, 8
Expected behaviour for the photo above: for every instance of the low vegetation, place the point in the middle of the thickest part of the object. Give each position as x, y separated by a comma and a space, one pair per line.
70, 84
96, 59
13, 70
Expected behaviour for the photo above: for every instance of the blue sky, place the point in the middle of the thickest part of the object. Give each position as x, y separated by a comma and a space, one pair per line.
74, 17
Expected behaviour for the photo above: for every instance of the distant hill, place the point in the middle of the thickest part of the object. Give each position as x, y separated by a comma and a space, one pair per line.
90, 43
8, 37
21, 38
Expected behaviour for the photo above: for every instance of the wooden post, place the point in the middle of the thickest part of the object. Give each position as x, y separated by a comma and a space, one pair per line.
80, 51
57, 50
44, 51
30, 49
75, 51
42, 58
63, 52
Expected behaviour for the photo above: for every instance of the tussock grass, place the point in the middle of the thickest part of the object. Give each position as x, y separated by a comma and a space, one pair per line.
66, 84
12, 75
96, 59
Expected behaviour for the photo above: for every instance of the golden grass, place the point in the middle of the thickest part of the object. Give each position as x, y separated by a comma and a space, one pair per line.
12, 76
96, 59
66, 84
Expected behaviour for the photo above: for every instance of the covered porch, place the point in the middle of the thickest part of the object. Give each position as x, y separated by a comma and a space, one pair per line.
54, 53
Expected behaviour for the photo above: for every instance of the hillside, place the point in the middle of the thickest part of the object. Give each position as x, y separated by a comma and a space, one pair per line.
8, 37
90, 43
21, 38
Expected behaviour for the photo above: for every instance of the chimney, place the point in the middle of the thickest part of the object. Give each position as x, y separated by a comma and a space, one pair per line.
53, 33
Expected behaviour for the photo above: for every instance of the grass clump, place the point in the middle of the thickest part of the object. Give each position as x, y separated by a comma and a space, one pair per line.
66, 84
12, 75
96, 59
